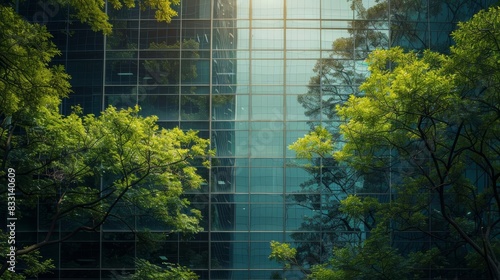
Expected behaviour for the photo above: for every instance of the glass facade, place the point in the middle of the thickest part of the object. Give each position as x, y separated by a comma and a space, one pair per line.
253, 76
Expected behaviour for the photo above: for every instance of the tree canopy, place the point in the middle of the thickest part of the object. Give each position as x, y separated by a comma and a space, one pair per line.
26, 77
428, 123
341, 72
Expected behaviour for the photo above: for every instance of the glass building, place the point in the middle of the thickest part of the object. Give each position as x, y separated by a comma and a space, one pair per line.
253, 76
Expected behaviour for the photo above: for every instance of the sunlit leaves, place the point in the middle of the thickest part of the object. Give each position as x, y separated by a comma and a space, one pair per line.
168, 271
476, 60
316, 143
164, 10
153, 163
433, 117
353, 206
93, 12
477, 43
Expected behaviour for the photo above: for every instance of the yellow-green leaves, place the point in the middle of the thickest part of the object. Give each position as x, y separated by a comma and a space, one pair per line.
93, 12
359, 207
476, 60
283, 253
86, 168
316, 143
477, 38
164, 11
153, 163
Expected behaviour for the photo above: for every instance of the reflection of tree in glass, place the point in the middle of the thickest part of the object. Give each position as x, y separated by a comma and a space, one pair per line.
386, 23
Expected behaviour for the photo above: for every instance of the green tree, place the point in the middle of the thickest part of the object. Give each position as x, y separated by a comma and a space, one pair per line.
168, 271
34, 263
438, 116
26, 78
340, 74
26, 82
430, 121
81, 169
330, 182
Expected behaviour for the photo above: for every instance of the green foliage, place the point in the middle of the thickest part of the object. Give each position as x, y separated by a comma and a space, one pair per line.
84, 167
425, 120
375, 258
35, 264
353, 206
394, 102
28, 87
93, 13
322, 272
32, 263
283, 253
81, 170
27, 81
148, 271
164, 11
329, 180
317, 142
139, 162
